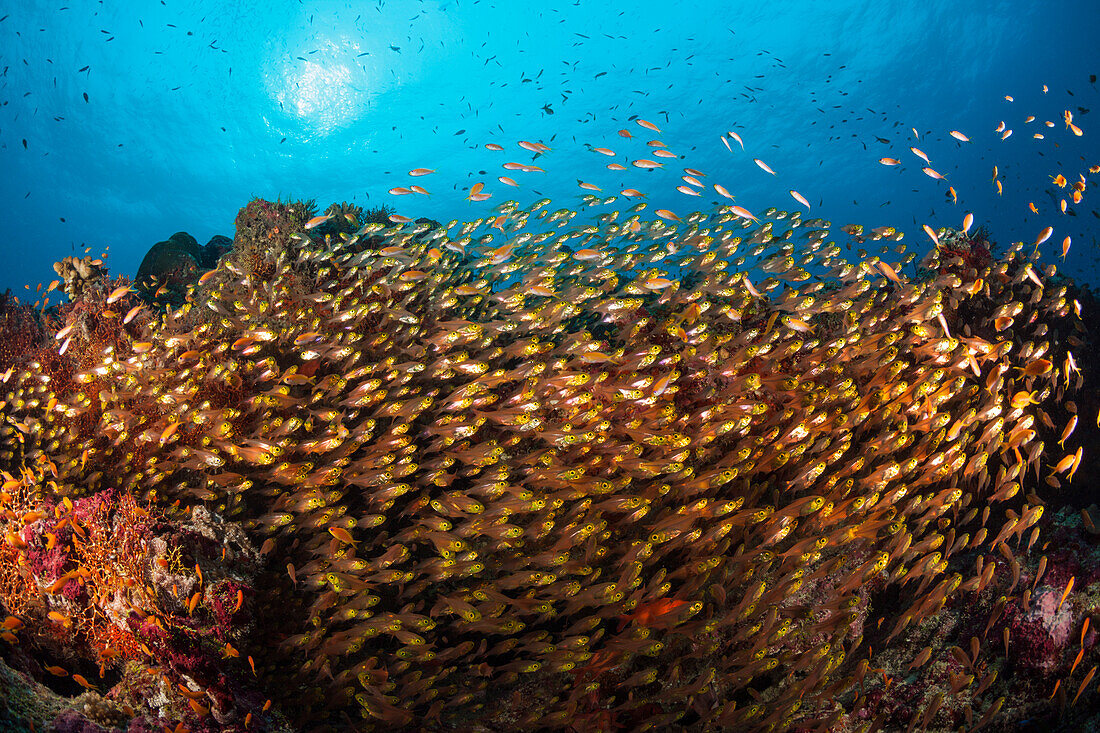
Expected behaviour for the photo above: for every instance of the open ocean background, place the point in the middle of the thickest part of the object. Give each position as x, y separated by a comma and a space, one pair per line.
124, 122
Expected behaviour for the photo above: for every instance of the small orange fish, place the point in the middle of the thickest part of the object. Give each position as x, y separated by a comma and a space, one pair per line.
736, 137
931, 234
57, 671
920, 154
169, 432
742, 212
763, 165
625, 133
1065, 594
343, 535
132, 313
648, 614
318, 221
889, 161
1031, 205
1065, 247
959, 136
493, 146
648, 125
118, 293
666, 214
83, 682
933, 174
508, 181
1044, 235
799, 198
421, 171
1059, 180
589, 186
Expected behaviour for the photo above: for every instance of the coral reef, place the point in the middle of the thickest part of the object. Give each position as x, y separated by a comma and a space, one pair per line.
78, 274
539, 481
170, 267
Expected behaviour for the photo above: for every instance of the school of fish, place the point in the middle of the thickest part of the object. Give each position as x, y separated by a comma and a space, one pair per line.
597, 466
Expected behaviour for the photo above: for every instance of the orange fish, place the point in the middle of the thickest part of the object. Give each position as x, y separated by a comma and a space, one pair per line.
493, 146
920, 154
736, 137
118, 293
742, 212
132, 313
649, 613
421, 171
763, 165
931, 234
889, 161
933, 174
959, 136
83, 682
799, 198
318, 221
648, 125
343, 535
722, 190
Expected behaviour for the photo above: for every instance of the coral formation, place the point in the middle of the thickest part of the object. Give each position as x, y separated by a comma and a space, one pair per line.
78, 274
172, 266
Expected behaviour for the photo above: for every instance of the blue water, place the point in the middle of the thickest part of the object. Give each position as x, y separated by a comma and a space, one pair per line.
194, 107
